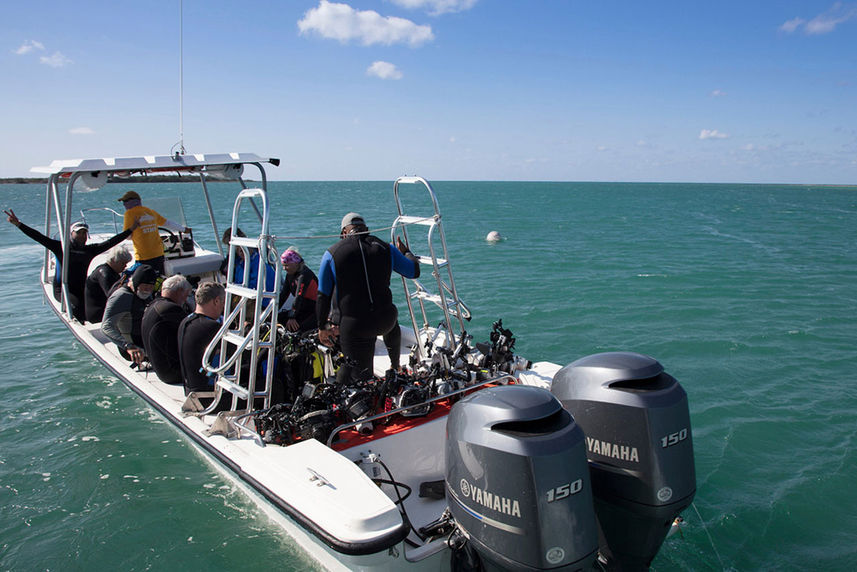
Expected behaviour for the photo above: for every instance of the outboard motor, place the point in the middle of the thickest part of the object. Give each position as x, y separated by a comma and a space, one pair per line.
637, 425
517, 480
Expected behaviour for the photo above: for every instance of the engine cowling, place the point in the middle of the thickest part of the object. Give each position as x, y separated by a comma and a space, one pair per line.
638, 442
517, 480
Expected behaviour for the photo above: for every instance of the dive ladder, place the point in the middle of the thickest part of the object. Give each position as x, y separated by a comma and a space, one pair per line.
445, 296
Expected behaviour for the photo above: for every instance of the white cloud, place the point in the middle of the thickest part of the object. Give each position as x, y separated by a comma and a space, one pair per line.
29, 46
436, 7
384, 70
81, 131
718, 93
825, 22
55, 60
344, 23
712, 134
792, 25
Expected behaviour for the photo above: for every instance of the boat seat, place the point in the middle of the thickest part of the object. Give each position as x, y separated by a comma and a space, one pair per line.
193, 265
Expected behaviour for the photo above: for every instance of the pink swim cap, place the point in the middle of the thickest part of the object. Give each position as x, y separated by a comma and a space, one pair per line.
291, 257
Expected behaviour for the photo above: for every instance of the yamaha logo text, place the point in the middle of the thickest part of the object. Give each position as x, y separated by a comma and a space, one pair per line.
503, 505
613, 450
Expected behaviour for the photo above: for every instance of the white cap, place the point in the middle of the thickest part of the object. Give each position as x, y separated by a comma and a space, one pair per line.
351, 218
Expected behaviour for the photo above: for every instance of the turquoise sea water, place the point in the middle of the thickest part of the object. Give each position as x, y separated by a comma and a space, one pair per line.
746, 294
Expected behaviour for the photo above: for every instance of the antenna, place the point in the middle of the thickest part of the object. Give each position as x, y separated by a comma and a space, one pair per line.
181, 77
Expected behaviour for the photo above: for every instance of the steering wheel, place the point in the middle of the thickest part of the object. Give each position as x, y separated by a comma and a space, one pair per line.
172, 241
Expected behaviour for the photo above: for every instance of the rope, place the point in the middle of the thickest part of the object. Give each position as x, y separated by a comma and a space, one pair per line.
710, 540
329, 236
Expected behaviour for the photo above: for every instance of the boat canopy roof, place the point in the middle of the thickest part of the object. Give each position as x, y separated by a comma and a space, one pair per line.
151, 163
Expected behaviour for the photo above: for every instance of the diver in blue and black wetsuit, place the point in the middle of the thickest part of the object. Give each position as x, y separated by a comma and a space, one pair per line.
359, 267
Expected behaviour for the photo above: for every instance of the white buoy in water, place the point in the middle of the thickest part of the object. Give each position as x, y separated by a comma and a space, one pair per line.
493, 236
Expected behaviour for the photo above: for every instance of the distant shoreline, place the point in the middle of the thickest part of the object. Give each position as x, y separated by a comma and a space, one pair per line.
115, 179
195, 179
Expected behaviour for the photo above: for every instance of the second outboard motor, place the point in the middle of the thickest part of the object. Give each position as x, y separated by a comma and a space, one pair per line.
517, 480
637, 425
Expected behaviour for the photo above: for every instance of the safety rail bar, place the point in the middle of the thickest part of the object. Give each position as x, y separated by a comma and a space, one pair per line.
420, 404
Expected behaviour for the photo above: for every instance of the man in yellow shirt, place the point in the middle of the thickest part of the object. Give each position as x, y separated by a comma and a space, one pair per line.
148, 248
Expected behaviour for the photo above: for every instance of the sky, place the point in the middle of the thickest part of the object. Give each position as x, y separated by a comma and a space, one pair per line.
553, 90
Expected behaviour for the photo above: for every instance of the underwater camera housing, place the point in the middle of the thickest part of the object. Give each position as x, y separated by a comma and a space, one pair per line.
518, 482
639, 446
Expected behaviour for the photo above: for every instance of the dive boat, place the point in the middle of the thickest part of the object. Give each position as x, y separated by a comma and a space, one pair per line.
470, 458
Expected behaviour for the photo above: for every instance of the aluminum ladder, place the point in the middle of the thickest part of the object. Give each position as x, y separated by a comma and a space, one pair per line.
233, 338
446, 296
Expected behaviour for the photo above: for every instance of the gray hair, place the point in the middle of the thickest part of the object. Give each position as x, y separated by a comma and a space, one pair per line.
176, 283
209, 291
119, 254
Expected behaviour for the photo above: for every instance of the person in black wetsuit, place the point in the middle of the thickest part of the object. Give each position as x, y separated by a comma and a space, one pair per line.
123, 314
195, 333
302, 286
160, 328
80, 256
100, 282
359, 268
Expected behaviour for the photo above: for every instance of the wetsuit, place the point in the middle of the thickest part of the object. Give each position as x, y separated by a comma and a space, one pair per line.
160, 330
359, 267
195, 333
123, 319
98, 285
80, 256
303, 285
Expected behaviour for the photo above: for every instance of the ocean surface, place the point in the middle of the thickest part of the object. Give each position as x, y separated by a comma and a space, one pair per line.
747, 294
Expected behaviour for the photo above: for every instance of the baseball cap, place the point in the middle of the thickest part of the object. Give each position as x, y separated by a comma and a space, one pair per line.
351, 218
144, 274
128, 196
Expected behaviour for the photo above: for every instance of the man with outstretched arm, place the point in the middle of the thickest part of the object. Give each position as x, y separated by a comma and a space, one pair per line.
358, 267
80, 256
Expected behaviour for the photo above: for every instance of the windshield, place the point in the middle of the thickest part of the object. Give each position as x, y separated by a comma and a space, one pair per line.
101, 219
169, 208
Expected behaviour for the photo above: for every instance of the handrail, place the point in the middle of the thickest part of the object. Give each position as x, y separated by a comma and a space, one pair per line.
206, 356
415, 405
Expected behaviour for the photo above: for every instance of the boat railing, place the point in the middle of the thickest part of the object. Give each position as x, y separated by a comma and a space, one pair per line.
445, 296
362, 421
